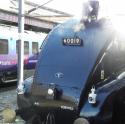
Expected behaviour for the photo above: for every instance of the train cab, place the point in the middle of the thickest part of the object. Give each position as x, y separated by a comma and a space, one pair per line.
80, 75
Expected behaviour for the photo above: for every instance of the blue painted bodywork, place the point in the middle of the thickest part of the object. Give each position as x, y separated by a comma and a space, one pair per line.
69, 70
76, 63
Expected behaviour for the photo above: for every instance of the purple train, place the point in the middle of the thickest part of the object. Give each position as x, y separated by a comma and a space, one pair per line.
9, 45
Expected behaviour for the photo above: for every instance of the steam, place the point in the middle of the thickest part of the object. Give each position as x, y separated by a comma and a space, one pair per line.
79, 27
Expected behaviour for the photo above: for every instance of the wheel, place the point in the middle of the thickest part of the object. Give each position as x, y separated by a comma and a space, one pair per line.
35, 119
81, 121
119, 110
50, 118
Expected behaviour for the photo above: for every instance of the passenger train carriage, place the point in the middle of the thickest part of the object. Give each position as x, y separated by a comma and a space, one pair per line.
9, 45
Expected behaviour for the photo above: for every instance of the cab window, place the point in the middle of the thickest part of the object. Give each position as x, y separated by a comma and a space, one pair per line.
3, 46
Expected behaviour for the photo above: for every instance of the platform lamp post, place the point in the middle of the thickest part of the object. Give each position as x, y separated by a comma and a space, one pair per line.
21, 46
21, 15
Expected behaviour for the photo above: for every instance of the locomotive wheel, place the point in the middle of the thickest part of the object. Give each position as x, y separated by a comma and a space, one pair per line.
119, 111
81, 121
50, 119
34, 120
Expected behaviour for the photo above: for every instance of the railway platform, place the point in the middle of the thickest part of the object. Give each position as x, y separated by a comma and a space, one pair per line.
8, 100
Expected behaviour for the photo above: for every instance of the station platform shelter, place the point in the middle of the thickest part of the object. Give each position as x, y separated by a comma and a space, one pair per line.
42, 19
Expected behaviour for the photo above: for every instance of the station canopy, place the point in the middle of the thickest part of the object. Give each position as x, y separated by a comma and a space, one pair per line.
43, 12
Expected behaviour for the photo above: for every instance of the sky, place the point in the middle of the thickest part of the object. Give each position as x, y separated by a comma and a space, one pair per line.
70, 6
75, 6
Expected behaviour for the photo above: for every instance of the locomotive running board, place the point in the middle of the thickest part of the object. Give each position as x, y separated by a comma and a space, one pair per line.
8, 81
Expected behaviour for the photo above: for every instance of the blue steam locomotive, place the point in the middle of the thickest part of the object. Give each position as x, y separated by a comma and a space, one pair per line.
79, 77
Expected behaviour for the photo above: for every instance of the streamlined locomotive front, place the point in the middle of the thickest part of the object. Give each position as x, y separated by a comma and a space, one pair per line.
75, 76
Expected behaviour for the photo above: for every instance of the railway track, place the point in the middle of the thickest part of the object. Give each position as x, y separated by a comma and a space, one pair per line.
8, 86
4, 89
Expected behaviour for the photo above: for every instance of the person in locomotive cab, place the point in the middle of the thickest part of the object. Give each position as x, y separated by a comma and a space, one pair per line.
94, 9
77, 82
90, 10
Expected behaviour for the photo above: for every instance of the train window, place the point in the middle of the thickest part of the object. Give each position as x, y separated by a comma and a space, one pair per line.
35, 47
26, 47
3, 46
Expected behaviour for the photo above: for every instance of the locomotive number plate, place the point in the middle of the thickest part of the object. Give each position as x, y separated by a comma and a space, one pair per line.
72, 42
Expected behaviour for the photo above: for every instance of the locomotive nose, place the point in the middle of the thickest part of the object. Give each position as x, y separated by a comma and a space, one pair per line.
64, 95
55, 102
